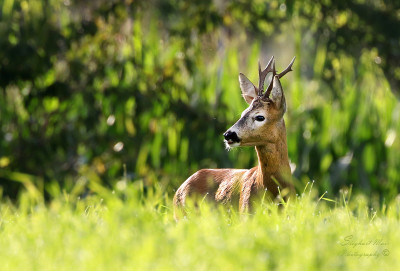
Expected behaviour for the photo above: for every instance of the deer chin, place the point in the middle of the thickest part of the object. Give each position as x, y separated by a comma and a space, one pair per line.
230, 144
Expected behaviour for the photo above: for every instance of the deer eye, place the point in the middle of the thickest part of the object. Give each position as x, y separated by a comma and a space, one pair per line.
259, 118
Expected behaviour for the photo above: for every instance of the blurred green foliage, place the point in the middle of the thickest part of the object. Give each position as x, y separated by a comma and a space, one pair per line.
93, 91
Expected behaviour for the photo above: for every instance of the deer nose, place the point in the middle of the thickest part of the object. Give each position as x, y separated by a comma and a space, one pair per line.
231, 137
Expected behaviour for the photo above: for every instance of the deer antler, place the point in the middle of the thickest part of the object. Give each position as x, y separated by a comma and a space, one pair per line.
280, 75
263, 74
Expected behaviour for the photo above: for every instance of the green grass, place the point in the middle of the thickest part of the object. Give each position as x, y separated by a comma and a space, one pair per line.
133, 230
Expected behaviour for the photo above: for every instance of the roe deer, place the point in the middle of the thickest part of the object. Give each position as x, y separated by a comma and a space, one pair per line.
260, 125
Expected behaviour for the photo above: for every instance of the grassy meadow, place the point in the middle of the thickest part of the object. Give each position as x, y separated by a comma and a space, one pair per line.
106, 107
130, 228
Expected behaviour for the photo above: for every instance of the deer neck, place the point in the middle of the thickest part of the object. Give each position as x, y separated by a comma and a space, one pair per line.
273, 158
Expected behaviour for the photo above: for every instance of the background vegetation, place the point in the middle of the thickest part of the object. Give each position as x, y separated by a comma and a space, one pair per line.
109, 92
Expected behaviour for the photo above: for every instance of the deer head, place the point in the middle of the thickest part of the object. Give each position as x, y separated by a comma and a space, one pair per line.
258, 123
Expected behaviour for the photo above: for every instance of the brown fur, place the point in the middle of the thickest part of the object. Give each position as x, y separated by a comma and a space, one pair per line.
269, 139
222, 184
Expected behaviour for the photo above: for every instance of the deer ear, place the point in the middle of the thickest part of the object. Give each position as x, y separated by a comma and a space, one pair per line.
248, 89
277, 96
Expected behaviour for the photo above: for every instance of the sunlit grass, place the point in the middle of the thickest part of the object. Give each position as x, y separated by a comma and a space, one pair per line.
134, 229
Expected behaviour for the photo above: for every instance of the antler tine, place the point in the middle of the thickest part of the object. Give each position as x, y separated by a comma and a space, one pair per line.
269, 88
259, 76
288, 69
263, 74
280, 75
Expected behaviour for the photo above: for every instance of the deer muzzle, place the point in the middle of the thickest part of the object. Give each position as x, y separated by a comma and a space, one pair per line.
231, 137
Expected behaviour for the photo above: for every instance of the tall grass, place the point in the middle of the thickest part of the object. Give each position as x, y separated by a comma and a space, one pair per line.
130, 228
